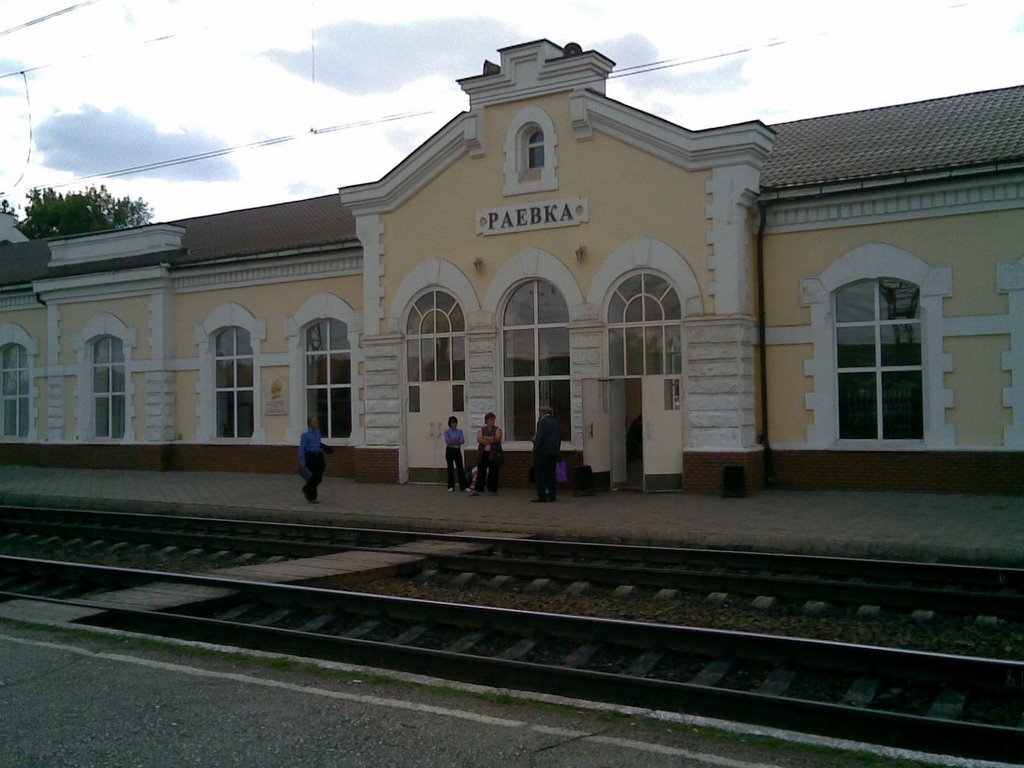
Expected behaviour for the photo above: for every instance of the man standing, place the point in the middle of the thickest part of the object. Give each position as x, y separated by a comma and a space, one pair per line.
311, 459
546, 445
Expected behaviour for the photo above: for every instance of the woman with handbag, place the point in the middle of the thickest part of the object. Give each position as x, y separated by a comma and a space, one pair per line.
490, 457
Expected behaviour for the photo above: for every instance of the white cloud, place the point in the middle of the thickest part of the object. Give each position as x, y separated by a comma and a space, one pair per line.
185, 75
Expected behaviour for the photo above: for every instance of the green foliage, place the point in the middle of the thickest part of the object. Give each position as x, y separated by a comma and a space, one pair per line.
53, 214
6, 207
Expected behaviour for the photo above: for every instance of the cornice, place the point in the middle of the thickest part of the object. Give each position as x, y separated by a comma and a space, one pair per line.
742, 144
102, 285
461, 136
838, 207
237, 275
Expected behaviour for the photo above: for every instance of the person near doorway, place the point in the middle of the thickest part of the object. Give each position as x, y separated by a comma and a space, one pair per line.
453, 441
311, 459
490, 457
547, 443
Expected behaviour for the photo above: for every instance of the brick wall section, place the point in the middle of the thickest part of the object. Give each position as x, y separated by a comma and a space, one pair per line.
263, 459
515, 472
376, 465
987, 472
704, 472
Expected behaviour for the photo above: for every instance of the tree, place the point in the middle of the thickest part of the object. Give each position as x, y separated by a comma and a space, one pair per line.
52, 214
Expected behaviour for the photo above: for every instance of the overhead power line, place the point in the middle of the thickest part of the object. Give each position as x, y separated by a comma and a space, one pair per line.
48, 16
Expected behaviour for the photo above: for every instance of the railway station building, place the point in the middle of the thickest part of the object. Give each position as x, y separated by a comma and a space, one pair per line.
832, 303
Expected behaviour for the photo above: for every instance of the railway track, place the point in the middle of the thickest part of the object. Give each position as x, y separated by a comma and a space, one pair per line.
952, 705
810, 583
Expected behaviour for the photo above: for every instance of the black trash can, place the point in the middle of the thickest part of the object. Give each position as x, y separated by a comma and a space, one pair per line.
583, 481
734, 484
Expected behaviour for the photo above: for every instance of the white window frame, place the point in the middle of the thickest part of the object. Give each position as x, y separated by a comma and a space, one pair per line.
536, 378
224, 316
328, 386
104, 324
878, 367
20, 399
235, 390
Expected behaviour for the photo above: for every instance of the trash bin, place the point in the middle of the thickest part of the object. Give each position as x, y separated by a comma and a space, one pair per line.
583, 481
734, 483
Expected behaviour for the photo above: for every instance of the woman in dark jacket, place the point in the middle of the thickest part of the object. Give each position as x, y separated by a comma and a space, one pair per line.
489, 457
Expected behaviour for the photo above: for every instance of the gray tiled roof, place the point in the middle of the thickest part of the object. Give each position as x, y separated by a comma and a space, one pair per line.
955, 132
302, 224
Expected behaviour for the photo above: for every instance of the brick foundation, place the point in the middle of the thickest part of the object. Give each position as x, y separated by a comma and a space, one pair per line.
262, 459
704, 472
376, 465
987, 472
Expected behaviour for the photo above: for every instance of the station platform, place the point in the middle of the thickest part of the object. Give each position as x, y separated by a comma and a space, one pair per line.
926, 527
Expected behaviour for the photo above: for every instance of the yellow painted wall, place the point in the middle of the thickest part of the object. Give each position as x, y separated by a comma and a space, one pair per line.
33, 322
439, 222
185, 405
133, 312
972, 245
268, 302
276, 426
788, 417
977, 381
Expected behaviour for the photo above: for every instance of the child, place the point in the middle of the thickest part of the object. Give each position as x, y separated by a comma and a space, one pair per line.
453, 440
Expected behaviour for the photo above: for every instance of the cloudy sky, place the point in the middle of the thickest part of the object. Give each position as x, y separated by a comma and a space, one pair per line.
202, 106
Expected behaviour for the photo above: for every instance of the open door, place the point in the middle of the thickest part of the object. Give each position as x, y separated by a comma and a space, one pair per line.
662, 433
597, 442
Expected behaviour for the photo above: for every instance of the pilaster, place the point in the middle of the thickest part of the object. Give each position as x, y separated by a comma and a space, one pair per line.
719, 383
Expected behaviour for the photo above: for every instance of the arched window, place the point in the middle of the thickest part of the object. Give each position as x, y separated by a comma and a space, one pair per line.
108, 387
644, 335
878, 360
14, 390
435, 347
329, 377
235, 394
535, 341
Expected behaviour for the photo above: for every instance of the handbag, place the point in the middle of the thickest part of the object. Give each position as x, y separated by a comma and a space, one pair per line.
497, 455
561, 472
304, 473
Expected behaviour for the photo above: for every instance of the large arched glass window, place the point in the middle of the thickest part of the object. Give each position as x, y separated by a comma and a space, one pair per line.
234, 392
329, 377
535, 336
644, 335
878, 360
14, 389
435, 339
108, 387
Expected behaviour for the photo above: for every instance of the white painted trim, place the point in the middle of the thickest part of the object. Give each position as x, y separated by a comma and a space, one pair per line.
370, 229
732, 190
870, 261
323, 306
847, 208
646, 253
742, 144
431, 274
514, 148
226, 316
1010, 280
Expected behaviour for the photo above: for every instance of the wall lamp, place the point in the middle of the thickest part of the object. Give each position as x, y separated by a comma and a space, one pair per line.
581, 253
478, 264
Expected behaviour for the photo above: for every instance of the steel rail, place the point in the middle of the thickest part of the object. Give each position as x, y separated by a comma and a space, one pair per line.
943, 735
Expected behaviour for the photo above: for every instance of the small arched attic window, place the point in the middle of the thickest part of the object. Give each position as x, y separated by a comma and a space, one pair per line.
530, 159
